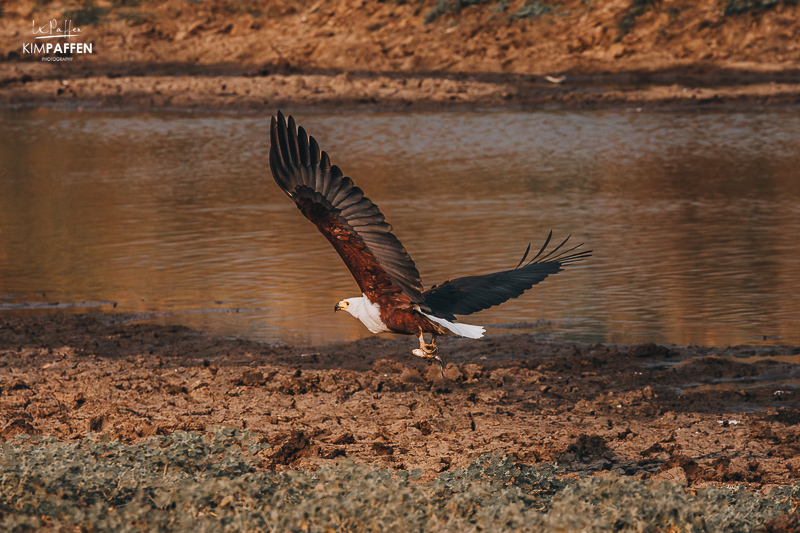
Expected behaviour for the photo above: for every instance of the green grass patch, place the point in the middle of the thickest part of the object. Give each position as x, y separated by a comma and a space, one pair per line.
134, 17
126, 3
212, 482
534, 10
636, 9
530, 10
87, 15
740, 7
444, 7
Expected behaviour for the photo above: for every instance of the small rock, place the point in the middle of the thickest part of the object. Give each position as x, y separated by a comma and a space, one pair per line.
452, 373
616, 50
15, 384
18, 426
794, 464
434, 374
387, 366
343, 438
78, 399
411, 375
382, 449
331, 452
425, 427
472, 371
674, 475
96, 423
147, 430
251, 379
328, 383
290, 446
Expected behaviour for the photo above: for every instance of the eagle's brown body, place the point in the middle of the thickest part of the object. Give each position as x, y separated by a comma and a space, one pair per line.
397, 311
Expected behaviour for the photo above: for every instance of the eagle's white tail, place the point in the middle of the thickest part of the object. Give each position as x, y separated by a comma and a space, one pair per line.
464, 330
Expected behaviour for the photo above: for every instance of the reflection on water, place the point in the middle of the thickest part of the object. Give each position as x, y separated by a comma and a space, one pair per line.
694, 219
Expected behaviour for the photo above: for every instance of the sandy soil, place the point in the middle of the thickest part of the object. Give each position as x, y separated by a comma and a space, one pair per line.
634, 410
397, 54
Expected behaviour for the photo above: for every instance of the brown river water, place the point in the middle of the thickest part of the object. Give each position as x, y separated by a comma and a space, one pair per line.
694, 219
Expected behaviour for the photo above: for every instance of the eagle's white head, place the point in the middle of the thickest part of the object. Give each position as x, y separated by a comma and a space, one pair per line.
345, 305
367, 312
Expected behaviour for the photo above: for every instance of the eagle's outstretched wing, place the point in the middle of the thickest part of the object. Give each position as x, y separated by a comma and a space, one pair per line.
467, 295
349, 220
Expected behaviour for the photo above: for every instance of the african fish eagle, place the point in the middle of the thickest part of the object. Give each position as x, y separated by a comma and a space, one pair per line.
393, 299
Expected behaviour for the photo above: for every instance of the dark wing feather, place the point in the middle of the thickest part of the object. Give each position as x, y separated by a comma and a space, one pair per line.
467, 295
349, 220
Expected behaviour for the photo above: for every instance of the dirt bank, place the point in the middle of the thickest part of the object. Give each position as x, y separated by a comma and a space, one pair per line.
634, 410
401, 54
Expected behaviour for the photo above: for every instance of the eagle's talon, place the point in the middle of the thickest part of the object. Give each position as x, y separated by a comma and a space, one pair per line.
427, 351
426, 354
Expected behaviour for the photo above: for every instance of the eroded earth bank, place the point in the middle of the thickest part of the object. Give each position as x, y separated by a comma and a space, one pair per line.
403, 54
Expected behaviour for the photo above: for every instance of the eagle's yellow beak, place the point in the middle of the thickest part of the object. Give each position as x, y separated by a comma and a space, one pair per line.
341, 306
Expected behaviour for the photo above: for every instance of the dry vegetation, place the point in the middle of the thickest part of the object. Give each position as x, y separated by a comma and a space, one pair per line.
238, 53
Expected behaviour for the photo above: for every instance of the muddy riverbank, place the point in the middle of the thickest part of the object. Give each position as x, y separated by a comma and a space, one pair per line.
695, 415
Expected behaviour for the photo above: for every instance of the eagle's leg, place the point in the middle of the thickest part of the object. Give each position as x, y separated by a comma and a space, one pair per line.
429, 351
435, 350
431, 348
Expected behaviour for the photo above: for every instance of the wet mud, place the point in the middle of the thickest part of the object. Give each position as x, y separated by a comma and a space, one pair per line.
696, 415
